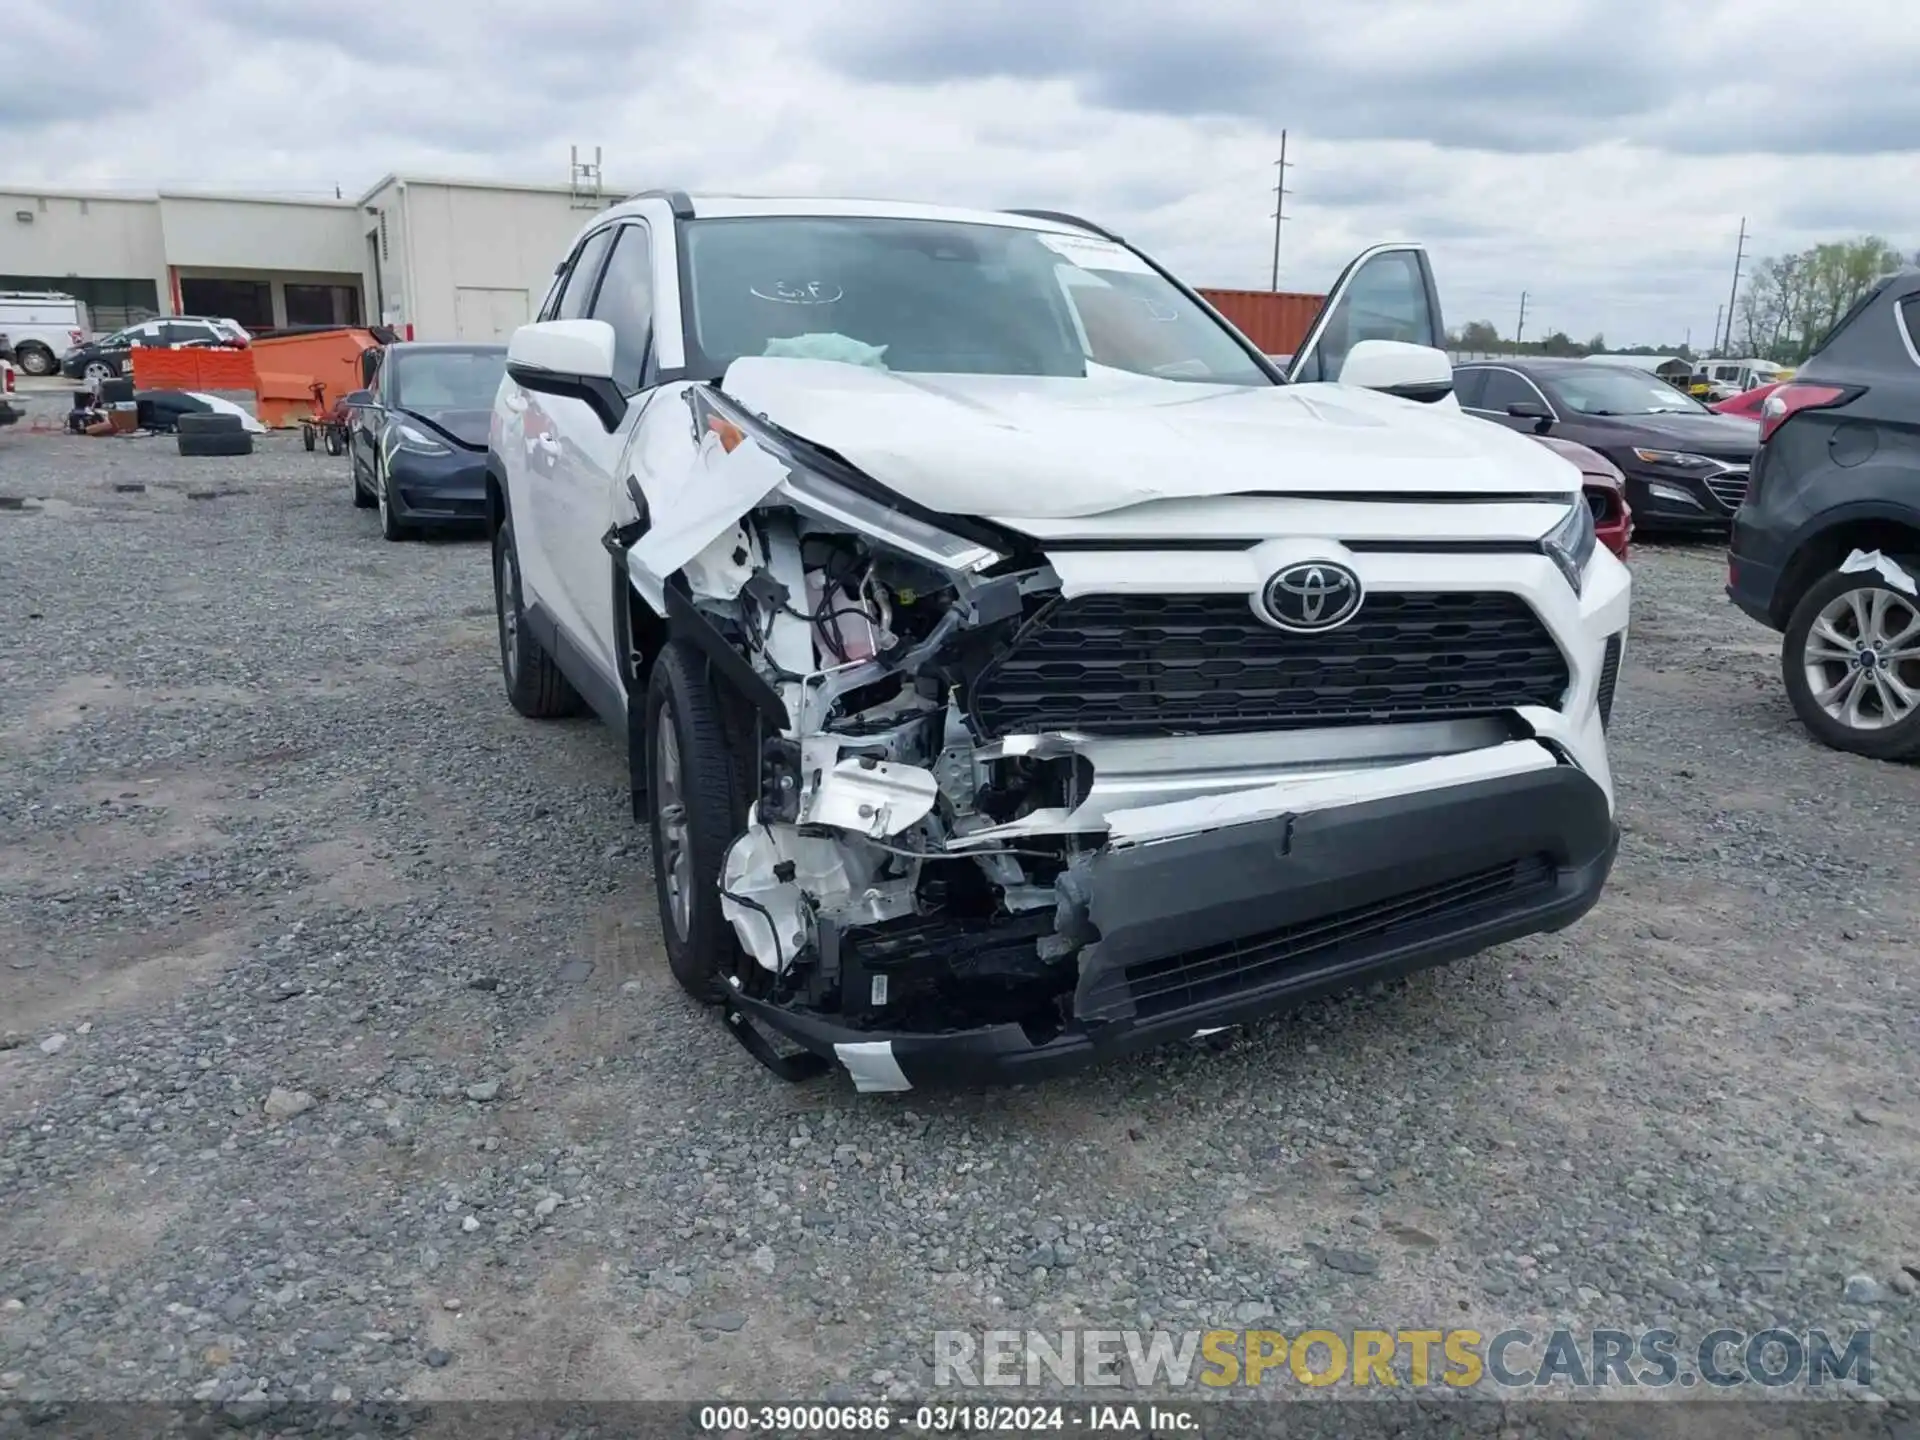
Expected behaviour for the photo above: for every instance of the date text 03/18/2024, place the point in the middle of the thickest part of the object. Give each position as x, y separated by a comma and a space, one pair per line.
959, 1418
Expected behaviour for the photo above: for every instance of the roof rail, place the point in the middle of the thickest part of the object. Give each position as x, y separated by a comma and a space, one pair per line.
1061, 217
677, 201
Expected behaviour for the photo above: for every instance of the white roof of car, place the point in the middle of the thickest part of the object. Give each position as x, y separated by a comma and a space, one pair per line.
734, 206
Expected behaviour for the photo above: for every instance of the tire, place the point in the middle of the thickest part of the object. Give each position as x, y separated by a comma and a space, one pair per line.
695, 815
97, 370
227, 443
334, 447
361, 499
1870, 717
306, 437
35, 359
391, 525
535, 686
201, 423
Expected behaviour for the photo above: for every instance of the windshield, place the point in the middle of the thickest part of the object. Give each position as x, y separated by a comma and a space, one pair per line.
945, 297
1607, 391
447, 379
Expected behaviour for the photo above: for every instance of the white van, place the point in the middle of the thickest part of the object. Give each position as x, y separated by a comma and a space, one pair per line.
41, 326
1726, 378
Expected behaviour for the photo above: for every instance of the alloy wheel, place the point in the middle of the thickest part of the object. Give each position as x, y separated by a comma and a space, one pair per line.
508, 579
676, 859
1862, 658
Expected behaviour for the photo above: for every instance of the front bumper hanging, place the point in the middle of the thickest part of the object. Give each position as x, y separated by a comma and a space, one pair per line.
1225, 926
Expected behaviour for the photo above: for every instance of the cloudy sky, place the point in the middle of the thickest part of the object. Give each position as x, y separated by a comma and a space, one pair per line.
1598, 154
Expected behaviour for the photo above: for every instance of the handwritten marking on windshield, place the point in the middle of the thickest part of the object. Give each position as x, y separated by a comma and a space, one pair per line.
813, 292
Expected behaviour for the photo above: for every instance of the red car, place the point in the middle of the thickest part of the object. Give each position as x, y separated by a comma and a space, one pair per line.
1606, 490
1748, 402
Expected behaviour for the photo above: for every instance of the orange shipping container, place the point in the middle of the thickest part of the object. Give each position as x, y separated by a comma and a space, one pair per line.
1275, 320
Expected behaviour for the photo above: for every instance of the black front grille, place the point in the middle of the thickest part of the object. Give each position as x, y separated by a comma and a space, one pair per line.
1609, 678
1160, 987
1205, 664
1729, 487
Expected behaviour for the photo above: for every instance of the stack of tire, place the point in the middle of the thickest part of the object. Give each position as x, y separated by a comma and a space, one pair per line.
213, 434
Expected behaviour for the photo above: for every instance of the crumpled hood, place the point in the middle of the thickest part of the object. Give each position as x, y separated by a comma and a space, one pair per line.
464, 427
1013, 447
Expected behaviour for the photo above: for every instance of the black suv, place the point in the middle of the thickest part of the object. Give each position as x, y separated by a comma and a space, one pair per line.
1826, 548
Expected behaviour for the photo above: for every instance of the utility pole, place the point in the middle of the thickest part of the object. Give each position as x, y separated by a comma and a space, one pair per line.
1718, 311
1520, 325
1739, 254
1280, 193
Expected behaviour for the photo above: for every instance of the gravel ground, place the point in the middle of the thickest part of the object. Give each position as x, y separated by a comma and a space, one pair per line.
343, 1060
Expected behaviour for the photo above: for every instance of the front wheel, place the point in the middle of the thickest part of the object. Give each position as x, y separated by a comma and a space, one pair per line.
35, 360
1851, 662
697, 812
391, 524
98, 370
535, 686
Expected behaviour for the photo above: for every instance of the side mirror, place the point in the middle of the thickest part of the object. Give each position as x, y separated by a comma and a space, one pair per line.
1532, 410
353, 399
1413, 372
572, 359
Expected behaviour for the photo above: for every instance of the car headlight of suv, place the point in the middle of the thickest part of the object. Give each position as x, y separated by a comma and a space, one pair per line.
1678, 459
1570, 543
412, 437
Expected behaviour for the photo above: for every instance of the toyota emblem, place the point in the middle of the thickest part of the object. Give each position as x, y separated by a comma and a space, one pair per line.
1313, 595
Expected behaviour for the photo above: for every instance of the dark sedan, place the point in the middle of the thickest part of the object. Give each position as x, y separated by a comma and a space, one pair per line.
1686, 468
417, 435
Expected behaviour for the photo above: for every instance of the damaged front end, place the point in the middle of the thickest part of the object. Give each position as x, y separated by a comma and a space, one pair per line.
953, 869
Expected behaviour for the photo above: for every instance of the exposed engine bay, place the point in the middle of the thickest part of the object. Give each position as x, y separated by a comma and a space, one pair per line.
855, 888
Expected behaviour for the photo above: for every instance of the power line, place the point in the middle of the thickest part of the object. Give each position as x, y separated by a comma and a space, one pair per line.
1280, 193
1739, 253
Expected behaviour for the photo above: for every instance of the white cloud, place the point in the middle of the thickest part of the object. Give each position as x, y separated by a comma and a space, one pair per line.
1598, 156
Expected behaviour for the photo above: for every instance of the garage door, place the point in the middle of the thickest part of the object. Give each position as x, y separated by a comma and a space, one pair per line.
488, 316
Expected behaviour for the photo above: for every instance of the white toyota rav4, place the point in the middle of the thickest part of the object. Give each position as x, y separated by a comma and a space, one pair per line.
1016, 667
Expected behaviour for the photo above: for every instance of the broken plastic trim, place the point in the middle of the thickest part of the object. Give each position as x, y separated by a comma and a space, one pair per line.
1863, 561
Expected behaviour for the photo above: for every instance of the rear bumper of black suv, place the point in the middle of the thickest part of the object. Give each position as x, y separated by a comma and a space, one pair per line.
1224, 927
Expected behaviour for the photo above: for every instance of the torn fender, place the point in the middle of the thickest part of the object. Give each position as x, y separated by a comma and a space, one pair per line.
700, 506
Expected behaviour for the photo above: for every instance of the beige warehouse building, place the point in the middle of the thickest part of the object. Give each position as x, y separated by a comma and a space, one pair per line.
452, 259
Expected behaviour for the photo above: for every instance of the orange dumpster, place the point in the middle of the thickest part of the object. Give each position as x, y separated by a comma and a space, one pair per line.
289, 367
